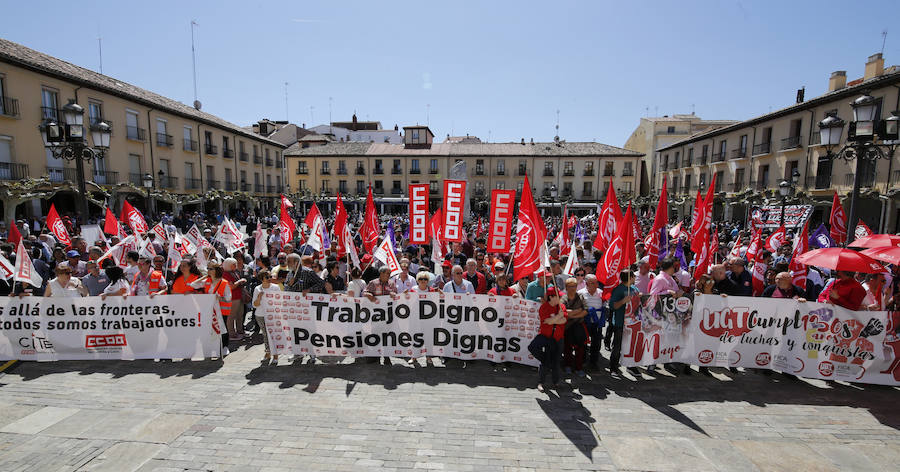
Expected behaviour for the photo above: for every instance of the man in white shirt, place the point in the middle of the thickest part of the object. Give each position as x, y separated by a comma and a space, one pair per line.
457, 283
593, 299
682, 277
403, 281
643, 276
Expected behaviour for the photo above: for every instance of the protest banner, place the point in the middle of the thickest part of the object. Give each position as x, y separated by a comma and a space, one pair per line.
769, 216
162, 327
807, 339
459, 326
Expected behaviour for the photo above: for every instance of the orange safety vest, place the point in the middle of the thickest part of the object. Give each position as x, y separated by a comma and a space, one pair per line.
181, 286
219, 290
156, 282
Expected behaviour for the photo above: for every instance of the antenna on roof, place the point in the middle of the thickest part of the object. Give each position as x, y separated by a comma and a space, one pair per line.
692, 108
883, 39
557, 125
287, 116
330, 130
100, 50
312, 119
656, 110
428, 114
197, 103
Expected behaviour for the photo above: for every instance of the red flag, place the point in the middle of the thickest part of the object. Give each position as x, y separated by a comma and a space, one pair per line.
619, 255
370, 228
57, 227
503, 204
111, 224
798, 270
635, 226
311, 216
530, 236
14, 235
754, 246
759, 277
838, 221
776, 239
703, 261
610, 215
861, 230
736, 250
340, 226
286, 225
286, 202
563, 237
704, 218
418, 213
454, 202
659, 222
134, 218
434, 225
714, 244
695, 216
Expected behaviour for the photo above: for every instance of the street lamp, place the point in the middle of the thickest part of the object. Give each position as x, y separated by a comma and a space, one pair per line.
67, 141
863, 136
147, 180
786, 188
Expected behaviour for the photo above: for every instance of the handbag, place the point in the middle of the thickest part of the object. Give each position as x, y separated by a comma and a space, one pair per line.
539, 346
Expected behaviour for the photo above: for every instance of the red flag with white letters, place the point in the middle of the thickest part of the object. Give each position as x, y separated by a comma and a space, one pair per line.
838, 221
776, 239
798, 270
134, 218
418, 213
610, 215
454, 203
57, 227
370, 229
503, 203
531, 234
619, 255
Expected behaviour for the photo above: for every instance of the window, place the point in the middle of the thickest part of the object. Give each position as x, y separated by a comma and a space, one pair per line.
567, 189
324, 188
360, 168
789, 170
267, 153
519, 187
766, 135
243, 178
479, 187
677, 159
161, 133
325, 169
414, 167
225, 144
415, 135
360, 187
795, 128
589, 168
479, 167
705, 150
523, 167
396, 168
188, 139
256, 180
210, 174
738, 180
690, 157
723, 147
278, 183
301, 167
131, 125
164, 167
675, 184
134, 167
6, 170
628, 170
608, 169
548, 168
763, 178
687, 183
433, 186
396, 188
342, 186
229, 179
50, 104
188, 172
720, 177
2, 94
342, 167
501, 167
302, 185
626, 187
433, 166
378, 166
568, 168
665, 161
95, 112
670, 130
743, 145
500, 185
588, 189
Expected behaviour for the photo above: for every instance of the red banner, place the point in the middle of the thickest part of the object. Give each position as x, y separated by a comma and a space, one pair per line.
503, 203
418, 213
454, 202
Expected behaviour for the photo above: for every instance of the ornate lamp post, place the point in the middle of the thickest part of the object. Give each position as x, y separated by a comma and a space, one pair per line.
67, 141
147, 180
869, 139
786, 188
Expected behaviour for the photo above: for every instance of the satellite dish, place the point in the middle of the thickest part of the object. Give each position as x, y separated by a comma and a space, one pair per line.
197, 104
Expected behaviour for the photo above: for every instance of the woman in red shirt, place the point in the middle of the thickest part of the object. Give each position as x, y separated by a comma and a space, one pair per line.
502, 287
553, 321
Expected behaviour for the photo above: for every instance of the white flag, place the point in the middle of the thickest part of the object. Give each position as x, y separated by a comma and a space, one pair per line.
572, 263
260, 248
7, 269
384, 252
24, 269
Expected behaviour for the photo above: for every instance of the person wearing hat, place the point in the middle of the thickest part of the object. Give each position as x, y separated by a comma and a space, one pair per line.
553, 320
535, 290
441, 279
79, 269
64, 285
370, 272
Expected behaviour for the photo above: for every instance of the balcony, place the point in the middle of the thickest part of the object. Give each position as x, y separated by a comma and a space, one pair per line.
762, 149
50, 113
761, 185
211, 149
610, 173
231, 186
302, 171
815, 139
190, 145
396, 171
279, 163
136, 179
589, 172
257, 159
478, 172
228, 153
325, 171
168, 182
432, 171
243, 156
164, 140
568, 173
245, 187
702, 160
213, 184
191, 184
10, 171
273, 189
60, 174
522, 171
501, 172
866, 181
360, 171
105, 177
718, 157
792, 142
135, 134
378, 191
738, 153
628, 173
269, 162
342, 171
548, 172
687, 162
415, 171
258, 188
587, 194
9, 106
378, 171
396, 191
432, 191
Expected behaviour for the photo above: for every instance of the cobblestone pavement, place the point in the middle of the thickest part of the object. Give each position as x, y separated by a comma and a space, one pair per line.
340, 415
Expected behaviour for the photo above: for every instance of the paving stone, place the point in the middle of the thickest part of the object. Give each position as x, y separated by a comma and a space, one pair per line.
39, 420
123, 457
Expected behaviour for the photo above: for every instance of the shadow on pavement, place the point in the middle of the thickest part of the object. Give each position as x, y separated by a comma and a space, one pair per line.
118, 369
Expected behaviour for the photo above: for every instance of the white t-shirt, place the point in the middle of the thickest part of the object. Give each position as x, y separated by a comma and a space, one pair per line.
356, 287
592, 301
257, 291
116, 286
131, 271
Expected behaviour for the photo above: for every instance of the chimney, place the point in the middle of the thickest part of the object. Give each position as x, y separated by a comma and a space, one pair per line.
874, 66
837, 81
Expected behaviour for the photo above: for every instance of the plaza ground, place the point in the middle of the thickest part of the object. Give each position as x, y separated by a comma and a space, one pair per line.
340, 415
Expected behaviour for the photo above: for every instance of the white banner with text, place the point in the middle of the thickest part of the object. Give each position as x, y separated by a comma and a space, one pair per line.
162, 327
466, 327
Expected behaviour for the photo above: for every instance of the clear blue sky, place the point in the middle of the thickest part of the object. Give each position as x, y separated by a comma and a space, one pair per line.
495, 67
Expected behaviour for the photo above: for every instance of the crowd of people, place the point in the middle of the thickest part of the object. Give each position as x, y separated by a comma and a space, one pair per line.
582, 318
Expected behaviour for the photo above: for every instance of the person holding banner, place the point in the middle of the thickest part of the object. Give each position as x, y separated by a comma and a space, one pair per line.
147, 282
118, 284
457, 283
783, 288
422, 281
381, 286
64, 285
213, 283
259, 311
187, 274
624, 297
553, 320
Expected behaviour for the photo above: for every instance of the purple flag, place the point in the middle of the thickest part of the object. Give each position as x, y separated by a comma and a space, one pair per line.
390, 233
679, 254
579, 235
820, 238
663, 242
